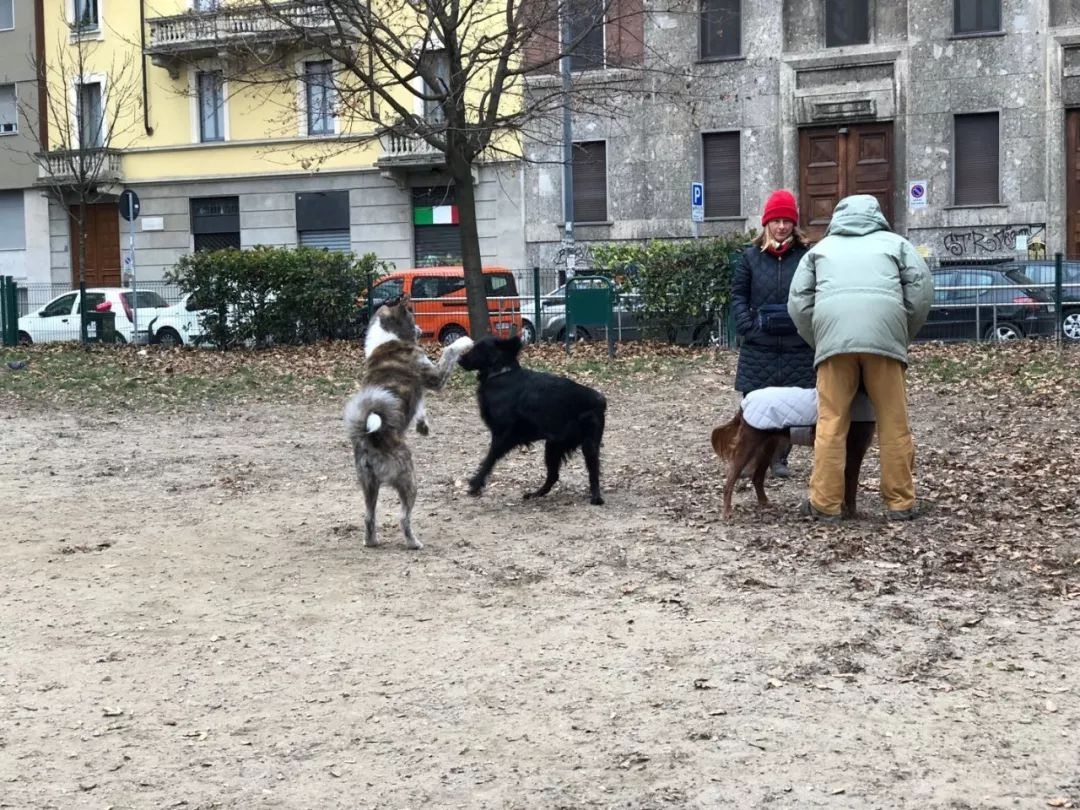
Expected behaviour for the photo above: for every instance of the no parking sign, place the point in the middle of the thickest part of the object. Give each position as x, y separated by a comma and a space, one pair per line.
916, 194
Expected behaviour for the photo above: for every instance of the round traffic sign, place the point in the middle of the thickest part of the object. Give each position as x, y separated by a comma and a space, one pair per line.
129, 204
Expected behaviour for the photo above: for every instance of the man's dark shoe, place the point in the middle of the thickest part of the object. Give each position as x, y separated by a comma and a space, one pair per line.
808, 510
779, 469
903, 514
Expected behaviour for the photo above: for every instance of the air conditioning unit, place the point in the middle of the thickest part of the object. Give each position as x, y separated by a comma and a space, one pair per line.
7, 128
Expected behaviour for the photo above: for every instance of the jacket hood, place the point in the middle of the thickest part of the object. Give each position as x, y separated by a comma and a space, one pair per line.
857, 215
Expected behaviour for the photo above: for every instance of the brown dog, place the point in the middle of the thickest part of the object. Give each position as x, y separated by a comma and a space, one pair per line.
740, 444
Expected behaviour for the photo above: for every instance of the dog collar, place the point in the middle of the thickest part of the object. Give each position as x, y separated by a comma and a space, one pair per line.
503, 370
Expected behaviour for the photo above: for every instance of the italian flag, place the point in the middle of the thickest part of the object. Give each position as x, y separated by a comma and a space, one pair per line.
436, 215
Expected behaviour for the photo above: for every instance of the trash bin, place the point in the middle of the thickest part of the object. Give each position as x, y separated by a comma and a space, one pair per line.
101, 324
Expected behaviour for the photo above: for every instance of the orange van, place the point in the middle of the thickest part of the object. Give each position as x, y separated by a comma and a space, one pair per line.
438, 298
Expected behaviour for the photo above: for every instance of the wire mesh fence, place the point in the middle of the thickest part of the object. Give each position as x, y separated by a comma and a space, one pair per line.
973, 301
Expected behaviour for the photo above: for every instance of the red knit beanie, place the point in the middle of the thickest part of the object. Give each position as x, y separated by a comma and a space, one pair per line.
780, 205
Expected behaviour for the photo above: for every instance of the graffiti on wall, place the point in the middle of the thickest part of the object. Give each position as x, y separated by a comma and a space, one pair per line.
976, 242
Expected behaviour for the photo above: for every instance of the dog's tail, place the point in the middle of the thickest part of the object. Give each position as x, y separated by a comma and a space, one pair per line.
370, 410
725, 436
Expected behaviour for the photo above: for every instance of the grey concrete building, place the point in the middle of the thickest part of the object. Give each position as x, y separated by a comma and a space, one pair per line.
24, 216
961, 116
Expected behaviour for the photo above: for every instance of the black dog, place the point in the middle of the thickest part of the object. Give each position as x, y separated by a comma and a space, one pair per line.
520, 406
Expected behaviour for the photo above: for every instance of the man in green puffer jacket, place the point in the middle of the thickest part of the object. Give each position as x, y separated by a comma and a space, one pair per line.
858, 297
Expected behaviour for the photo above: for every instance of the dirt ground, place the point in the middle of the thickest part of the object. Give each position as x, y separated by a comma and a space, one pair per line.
189, 619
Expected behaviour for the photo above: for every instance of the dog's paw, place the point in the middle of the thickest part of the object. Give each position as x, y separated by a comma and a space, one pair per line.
422, 428
414, 545
475, 488
461, 345
596, 500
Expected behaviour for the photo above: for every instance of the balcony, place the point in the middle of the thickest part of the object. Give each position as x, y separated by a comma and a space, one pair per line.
90, 167
220, 32
402, 152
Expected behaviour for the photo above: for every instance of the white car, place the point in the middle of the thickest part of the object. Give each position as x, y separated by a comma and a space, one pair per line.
60, 318
178, 325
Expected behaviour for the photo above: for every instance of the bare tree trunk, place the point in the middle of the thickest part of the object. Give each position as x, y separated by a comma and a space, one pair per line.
80, 224
475, 291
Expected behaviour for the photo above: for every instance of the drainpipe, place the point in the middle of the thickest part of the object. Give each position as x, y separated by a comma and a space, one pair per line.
41, 75
142, 68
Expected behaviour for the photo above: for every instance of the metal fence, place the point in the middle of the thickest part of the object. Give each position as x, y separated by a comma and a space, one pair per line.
973, 301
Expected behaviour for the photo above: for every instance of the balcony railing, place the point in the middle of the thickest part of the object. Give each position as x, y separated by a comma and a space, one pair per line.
214, 32
402, 150
89, 166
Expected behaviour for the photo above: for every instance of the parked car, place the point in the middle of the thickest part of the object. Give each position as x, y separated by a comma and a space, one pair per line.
60, 319
178, 325
987, 302
438, 298
552, 318
1043, 273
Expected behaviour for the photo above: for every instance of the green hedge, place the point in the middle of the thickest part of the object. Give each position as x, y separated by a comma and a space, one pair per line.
680, 285
270, 295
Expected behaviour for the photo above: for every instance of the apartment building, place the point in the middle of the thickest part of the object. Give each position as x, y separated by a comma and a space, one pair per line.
961, 116
24, 214
221, 163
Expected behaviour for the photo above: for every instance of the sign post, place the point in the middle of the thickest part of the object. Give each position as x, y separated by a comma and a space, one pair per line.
697, 205
129, 210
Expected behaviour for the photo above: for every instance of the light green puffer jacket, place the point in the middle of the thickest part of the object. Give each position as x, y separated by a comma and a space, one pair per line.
862, 288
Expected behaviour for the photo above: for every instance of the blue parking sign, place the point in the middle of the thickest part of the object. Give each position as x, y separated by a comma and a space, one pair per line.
697, 202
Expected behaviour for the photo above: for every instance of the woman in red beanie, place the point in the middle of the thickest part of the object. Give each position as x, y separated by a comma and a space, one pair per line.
772, 352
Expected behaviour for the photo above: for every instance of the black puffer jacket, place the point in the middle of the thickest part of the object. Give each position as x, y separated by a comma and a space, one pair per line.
765, 360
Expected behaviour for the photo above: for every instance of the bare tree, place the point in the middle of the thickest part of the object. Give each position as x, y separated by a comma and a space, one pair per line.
463, 78
91, 112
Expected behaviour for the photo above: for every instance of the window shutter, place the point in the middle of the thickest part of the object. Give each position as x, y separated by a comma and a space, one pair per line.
721, 28
625, 33
590, 182
722, 175
326, 240
976, 159
539, 23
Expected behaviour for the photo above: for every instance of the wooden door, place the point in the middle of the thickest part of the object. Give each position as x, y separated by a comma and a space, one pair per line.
835, 162
1072, 184
102, 246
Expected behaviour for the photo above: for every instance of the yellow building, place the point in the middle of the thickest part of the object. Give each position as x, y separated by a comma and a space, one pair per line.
216, 162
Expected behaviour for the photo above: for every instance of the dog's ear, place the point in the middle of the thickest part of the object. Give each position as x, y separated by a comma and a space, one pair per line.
511, 345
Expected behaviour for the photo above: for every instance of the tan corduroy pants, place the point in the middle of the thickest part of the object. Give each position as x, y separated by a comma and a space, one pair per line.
837, 383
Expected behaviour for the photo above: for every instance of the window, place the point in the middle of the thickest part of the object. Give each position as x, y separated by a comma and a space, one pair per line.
9, 109
436, 232
215, 223
976, 160
976, 16
438, 63
12, 221
590, 181
322, 220
721, 28
89, 115
585, 26
206, 5
211, 106
722, 176
386, 290
61, 306
847, 22
92, 300
86, 17
319, 90
7, 15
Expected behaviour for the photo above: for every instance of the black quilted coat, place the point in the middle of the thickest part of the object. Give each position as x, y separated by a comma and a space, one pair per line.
765, 360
